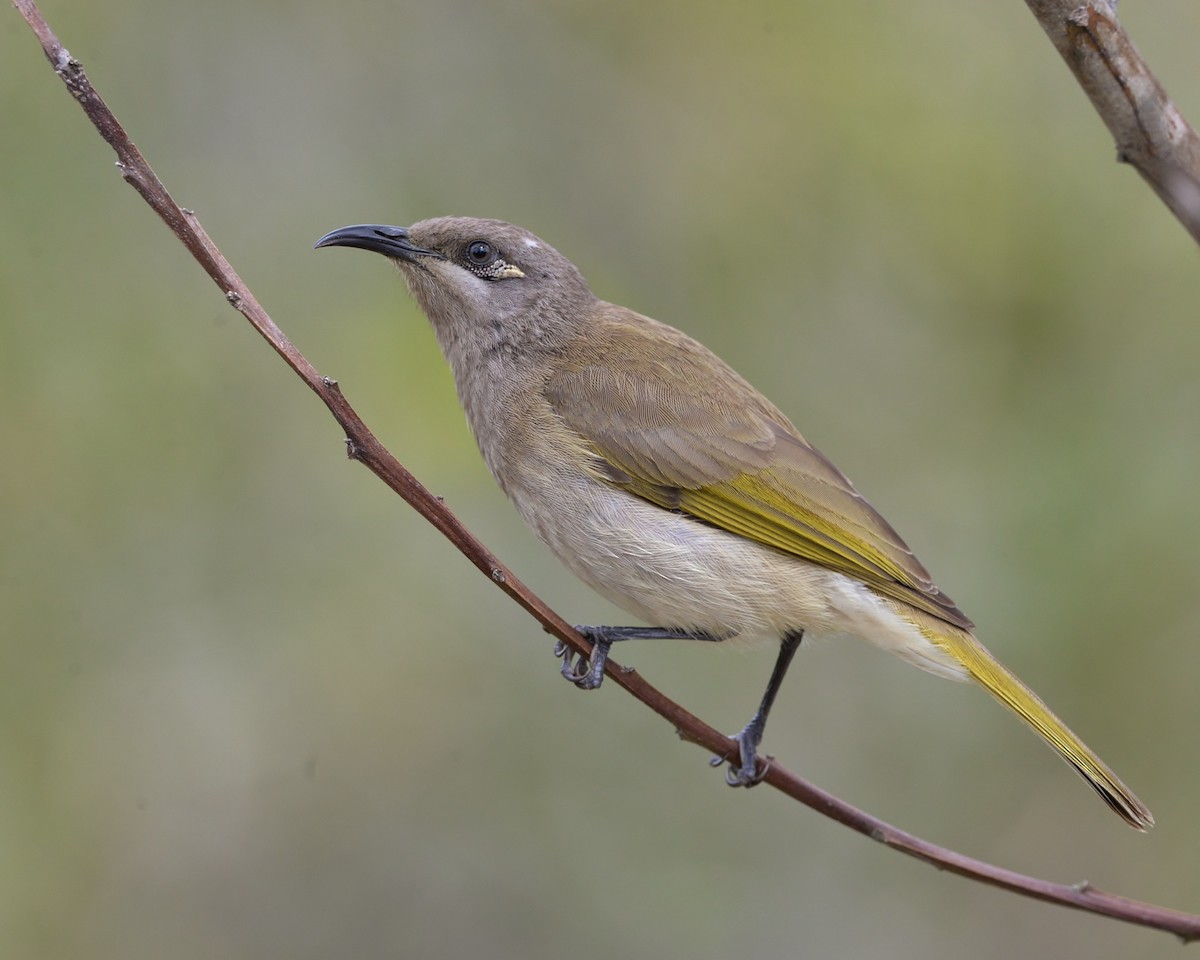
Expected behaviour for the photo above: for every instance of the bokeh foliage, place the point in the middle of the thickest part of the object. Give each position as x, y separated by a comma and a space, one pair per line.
251, 706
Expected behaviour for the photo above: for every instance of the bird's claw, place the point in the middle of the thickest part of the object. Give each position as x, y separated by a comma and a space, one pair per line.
567, 655
586, 673
748, 773
752, 777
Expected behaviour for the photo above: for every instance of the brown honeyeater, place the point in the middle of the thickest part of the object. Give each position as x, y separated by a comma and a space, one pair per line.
672, 486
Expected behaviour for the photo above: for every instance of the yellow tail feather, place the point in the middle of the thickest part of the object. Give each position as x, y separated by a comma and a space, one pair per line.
1005, 687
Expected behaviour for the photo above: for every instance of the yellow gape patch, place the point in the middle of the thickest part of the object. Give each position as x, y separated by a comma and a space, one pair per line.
504, 270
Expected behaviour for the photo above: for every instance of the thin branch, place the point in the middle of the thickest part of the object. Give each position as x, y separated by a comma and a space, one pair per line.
363, 446
1150, 132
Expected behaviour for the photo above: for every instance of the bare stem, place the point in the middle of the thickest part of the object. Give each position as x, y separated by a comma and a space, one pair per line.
362, 445
1150, 132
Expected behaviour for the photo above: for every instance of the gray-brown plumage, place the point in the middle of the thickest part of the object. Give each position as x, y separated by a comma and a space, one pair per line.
669, 484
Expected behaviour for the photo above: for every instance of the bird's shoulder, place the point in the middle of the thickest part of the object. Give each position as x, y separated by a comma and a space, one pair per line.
630, 382
668, 420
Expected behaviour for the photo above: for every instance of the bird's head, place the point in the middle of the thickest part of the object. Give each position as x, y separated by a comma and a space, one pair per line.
482, 283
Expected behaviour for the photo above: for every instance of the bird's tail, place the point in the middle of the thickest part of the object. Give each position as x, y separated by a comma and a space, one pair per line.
1005, 687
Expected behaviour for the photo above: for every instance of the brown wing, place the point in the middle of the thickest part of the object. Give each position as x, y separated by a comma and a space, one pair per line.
673, 424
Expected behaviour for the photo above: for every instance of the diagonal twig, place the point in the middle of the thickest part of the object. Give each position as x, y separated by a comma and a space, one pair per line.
363, 446
1150, 132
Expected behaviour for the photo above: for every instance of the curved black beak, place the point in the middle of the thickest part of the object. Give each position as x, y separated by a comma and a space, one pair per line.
378, 238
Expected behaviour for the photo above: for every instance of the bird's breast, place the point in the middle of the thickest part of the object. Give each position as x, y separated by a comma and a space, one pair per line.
670, 569
665, 567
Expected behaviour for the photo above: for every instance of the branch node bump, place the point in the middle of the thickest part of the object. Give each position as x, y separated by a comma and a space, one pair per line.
497, 573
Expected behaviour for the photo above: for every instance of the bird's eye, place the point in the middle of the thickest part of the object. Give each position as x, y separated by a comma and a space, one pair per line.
480, 252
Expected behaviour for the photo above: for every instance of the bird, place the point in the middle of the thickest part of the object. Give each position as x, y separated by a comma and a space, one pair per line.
665, 481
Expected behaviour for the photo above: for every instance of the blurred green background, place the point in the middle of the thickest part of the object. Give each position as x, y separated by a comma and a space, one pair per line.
252, 706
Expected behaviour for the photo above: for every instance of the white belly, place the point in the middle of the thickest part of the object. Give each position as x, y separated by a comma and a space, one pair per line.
673, 571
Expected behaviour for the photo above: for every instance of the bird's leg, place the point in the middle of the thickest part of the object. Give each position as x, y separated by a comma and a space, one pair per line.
747, 775
587, 673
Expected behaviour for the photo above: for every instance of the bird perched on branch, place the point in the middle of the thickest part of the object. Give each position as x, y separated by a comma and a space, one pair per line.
669, 484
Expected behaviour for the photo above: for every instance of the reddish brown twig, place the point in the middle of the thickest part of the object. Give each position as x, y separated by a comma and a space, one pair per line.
363, 446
